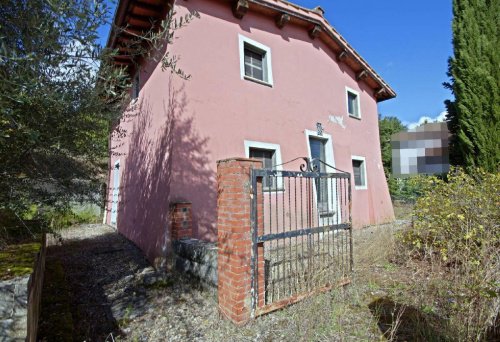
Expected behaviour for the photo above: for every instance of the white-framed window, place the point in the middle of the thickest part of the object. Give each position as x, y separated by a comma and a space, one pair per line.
255, 61
353, 103
270, 154
136, 85
359, 172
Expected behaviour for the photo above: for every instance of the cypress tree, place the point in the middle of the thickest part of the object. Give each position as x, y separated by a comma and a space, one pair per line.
473, 118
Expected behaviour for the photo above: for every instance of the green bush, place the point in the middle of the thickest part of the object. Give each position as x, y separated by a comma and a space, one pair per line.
408, 189
456, 228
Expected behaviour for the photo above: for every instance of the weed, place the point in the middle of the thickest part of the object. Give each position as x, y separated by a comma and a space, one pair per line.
373, 286
125, 320
161, 284
389, 267
428, 309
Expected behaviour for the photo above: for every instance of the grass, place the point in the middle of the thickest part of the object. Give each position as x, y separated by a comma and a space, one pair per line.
385, 300
18, 259
72, 217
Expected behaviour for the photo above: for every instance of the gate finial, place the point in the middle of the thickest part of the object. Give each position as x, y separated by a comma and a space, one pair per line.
311, 165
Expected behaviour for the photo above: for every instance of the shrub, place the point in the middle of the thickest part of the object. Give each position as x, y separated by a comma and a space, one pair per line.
456, 228
409, 189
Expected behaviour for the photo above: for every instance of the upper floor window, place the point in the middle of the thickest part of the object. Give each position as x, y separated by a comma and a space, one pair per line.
255, 61
353, 106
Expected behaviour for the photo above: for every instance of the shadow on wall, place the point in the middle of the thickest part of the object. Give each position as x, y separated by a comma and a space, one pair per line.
167, 161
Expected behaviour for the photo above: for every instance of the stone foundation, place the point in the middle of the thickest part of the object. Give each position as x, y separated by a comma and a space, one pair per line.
198, 258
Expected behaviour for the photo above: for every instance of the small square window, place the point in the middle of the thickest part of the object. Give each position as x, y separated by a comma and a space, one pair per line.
268, 158
359, 172
353, 108
255, 61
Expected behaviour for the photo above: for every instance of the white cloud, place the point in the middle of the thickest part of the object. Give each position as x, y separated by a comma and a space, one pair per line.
440, 118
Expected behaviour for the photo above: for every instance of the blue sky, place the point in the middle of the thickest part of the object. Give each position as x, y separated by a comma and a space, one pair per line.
407, 42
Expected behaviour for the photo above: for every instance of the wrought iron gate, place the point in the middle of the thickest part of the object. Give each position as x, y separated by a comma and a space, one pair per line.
301, 233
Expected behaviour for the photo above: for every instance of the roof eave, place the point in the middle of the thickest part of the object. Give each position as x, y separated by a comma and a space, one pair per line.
312, 19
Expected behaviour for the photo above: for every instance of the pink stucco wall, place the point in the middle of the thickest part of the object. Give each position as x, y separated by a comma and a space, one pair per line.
179, 129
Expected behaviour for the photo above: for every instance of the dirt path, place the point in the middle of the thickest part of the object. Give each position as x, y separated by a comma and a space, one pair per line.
114, 294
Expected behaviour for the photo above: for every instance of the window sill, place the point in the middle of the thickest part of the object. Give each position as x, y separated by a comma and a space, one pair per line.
361, 187
355, 117
248, 78
324, 214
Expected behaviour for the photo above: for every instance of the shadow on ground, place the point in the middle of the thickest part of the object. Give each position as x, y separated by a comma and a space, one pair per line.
94, 286
399, 322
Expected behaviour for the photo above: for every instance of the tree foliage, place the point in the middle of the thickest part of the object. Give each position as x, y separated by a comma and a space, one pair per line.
58, 94
474, 116
388, 126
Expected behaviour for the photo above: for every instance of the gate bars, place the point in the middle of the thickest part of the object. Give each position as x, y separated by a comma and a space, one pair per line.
302, 229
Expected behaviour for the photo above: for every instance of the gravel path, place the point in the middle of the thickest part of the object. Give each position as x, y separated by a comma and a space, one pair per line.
117, 295
107, 278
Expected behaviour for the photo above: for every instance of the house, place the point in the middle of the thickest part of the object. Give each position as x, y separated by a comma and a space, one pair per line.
270, 80
421, 150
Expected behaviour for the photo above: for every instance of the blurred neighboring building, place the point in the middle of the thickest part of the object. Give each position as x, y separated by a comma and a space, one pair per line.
421, 150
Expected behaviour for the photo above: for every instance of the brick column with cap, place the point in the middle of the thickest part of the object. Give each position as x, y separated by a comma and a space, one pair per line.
181, 221
235, 239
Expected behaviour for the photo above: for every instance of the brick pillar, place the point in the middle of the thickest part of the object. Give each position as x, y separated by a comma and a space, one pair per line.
235, 237
181, 222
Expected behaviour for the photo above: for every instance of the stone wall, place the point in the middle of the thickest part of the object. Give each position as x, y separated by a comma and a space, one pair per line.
20, 302
35, 285
198, 258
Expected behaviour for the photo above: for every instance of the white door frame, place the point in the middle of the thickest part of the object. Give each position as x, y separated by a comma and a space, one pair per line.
115, 194
329, 159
